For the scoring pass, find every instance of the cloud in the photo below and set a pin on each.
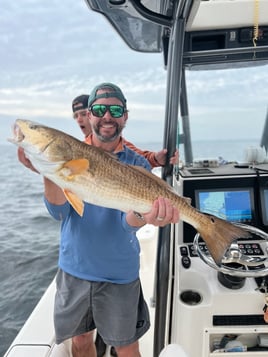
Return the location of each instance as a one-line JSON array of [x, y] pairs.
[[55, 50], [231, 84]]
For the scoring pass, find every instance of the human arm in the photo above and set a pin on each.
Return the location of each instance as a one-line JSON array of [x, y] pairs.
[[53, 193], [155, 159]]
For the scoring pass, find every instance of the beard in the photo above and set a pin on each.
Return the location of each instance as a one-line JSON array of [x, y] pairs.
[[108, 138]]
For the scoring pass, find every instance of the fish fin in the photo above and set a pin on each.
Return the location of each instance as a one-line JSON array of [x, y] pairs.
[[76, 166], [75, 202], [218, 235]]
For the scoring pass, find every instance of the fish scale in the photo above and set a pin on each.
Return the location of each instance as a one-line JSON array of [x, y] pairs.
[[89, 174]]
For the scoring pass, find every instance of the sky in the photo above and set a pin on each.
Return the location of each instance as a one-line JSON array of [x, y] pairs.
[[52, 51]]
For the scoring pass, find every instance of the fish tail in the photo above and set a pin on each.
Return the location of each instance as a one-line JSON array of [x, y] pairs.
[[218, 235]]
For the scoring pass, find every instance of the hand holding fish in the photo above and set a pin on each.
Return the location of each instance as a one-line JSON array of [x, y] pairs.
[[52, 192], [25, 161], [162, 213]]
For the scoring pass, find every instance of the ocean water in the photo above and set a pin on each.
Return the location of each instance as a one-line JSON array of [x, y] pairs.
[[229, 150], [29, 236], [29, 244]]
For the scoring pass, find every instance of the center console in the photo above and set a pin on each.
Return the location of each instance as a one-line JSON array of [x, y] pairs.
[[207, 305]]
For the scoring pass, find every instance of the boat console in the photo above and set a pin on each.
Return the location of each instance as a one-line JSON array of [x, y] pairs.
[[236, 194], [212, 302]]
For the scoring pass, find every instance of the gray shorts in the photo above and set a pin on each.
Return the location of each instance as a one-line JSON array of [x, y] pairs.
[[118, 311]]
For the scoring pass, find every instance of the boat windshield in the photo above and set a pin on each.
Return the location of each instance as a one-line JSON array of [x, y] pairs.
[[227, 110]]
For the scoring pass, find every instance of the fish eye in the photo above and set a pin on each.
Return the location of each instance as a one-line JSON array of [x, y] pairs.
[[33, 126]]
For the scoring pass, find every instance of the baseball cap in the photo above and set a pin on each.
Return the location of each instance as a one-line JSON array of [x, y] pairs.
[[113, 92], [80, 102]]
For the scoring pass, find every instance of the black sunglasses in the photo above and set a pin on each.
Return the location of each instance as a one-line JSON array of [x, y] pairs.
[[116, 111]]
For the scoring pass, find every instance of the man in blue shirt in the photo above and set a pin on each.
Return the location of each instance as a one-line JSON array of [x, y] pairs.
[[98, 283]]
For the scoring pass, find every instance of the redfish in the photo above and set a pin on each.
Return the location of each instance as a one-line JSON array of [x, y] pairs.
[[89, 174]]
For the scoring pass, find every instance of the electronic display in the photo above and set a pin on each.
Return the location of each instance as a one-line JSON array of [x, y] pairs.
[[234, 205]]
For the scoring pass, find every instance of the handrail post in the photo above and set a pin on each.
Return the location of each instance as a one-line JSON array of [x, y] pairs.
[[174, 75]]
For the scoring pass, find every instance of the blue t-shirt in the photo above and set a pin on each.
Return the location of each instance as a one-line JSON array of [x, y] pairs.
[[100, 245]]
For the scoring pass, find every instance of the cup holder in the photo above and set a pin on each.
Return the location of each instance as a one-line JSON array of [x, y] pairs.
[[190, 297]]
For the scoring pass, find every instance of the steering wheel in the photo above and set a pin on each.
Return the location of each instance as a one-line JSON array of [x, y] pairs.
[[243, 262]]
